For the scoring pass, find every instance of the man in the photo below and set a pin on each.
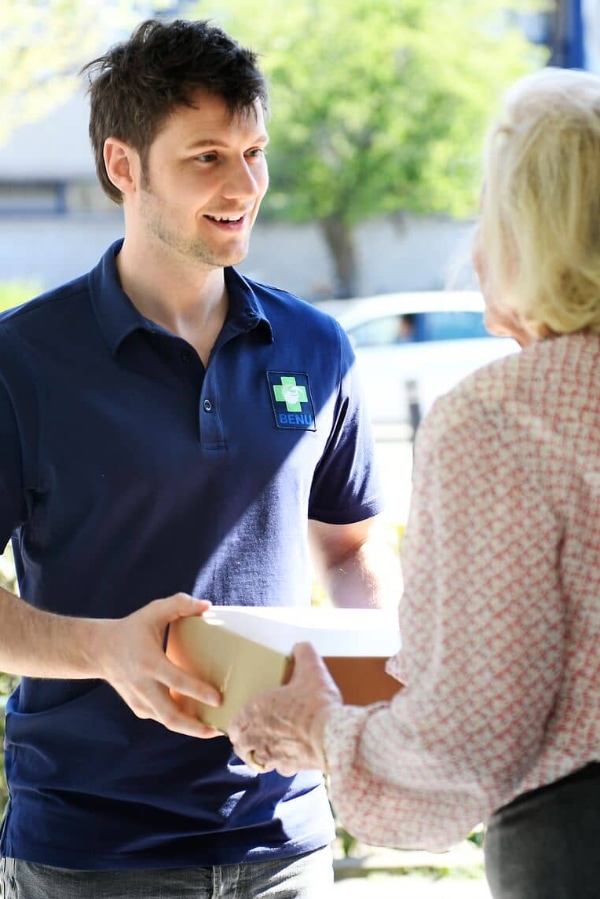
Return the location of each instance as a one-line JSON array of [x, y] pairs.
[[167, 425]]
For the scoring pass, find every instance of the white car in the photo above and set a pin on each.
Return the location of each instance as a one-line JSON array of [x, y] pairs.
[[413, 347]]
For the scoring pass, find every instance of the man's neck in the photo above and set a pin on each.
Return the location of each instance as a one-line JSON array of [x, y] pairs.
[[185, 300]]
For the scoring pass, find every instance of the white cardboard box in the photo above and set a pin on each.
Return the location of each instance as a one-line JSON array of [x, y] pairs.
[[245, 650]]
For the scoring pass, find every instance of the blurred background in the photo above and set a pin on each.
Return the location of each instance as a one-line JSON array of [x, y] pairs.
[[378, 113]]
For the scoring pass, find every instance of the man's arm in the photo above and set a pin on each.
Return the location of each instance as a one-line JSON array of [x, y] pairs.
[[127, 652], [355, 564]]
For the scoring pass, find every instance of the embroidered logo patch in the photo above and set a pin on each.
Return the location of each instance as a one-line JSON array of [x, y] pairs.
[[291, 400]]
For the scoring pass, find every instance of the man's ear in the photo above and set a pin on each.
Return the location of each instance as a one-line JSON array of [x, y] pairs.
[[122, 165]]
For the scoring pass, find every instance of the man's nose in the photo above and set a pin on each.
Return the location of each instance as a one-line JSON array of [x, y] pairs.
[[243, 180]]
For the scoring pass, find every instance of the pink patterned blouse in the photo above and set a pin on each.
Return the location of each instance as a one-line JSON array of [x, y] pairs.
[[500, 616]]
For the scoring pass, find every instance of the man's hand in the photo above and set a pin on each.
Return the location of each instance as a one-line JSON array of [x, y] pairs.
[[131, 656], [282, 729]]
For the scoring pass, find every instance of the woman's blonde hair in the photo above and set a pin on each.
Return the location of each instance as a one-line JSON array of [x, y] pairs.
[[540, 220]]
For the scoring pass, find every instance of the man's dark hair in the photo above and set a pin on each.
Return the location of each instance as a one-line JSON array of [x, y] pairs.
[[135, 86]]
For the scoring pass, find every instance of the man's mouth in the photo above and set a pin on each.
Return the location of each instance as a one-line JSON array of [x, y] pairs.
[[225, 219]]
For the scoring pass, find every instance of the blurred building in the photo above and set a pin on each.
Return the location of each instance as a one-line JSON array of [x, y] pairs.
[[572, 32]]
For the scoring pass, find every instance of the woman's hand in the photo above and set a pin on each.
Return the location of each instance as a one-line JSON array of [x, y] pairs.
[[282, 729]]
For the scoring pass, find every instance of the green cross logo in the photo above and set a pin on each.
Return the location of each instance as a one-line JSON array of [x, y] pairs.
[[290, 393]]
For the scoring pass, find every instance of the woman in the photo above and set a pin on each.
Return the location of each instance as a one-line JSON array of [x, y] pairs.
[[499, 717]]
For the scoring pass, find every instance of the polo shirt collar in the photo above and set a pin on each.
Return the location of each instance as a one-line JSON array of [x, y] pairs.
[[118, 318], [246, 312]]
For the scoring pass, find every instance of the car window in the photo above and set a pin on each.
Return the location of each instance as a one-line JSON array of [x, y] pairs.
[[418, 327], [451, 325], [384, 331]]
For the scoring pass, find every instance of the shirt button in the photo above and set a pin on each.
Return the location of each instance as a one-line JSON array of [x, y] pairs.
[[186, 356], [207, 405]]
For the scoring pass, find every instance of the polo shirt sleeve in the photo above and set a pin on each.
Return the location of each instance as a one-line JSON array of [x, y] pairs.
[[346, 486], [12, 493]]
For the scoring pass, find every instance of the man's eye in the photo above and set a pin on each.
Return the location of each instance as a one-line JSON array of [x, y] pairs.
[[256, 152], [207, 157]]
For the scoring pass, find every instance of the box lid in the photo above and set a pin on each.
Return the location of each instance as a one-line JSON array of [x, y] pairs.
[[332, 631]]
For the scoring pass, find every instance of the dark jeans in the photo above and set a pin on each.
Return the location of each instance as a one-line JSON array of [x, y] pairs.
[[546, 843], [308, 876]]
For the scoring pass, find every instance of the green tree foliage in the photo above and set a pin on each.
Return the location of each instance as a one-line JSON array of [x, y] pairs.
[[13, 293], [44, 43], [379, 106]]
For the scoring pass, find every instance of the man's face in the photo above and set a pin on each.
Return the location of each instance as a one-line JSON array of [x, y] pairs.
[[203, 182]]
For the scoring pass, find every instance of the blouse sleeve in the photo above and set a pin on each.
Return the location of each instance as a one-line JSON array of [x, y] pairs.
[[481, 622]]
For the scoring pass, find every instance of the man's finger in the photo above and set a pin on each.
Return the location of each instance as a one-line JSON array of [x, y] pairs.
[[189, 685]]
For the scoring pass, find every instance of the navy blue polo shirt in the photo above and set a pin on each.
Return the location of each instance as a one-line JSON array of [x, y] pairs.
[[129, 472]]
